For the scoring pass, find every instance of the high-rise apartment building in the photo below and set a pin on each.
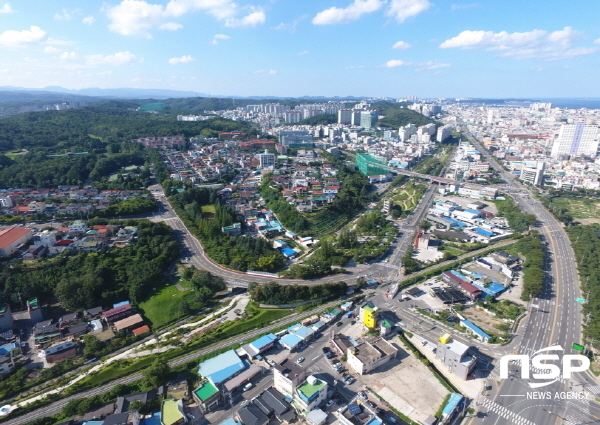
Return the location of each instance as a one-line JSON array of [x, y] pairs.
[[576, 139], [345, 116], [266, 159]]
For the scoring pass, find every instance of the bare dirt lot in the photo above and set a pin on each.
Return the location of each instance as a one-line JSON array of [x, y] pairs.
[[397, 382]]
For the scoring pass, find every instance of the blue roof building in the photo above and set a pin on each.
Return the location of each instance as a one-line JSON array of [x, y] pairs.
[[152, 420], [475, 330], [222, 367], [288, 252], [294, 327], [452, 406], [304, 333], [290, 341]]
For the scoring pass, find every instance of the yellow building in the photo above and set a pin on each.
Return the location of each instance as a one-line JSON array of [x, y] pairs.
[[368, 315]]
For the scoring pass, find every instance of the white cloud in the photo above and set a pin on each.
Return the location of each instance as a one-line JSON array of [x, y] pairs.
[[291, 27], [266, 71], [88, 20], [464, 6], [68, 55], [305, 52], [119, 58], [219, 37], [170, 26], [34, 35], [138, 17], [52, 50], [355, 67], [401, 10], [535, 44], [597, 41], [7, 8], [337, 15], [394, 63], [402, 45], [417, 65], [431, 65], [251, 20], [66, 14], [181, 59]]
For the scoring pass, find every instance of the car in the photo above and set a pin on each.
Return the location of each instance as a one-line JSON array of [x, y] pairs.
[[326, 350], [339, 324], [371, 404], [271, 362], [300, 360], [330, 403], [248, 386], [363, 395]]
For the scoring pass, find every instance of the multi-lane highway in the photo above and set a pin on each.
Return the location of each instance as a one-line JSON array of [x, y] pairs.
[[554, 319]]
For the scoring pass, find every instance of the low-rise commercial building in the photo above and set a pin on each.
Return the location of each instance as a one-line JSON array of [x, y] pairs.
[[369, 354]]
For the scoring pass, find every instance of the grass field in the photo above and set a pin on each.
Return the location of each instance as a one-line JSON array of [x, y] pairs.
[[208, 211], [165, 305], [261, 316], [579, 207]]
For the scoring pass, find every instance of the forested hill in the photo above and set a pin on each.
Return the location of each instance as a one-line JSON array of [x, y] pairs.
[[103, 132], [397, 115], [113, 123]]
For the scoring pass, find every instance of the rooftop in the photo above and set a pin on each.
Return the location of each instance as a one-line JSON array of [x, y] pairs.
[[308, 390], [205, 391], [170, 412], [221, 367], [11, 235]]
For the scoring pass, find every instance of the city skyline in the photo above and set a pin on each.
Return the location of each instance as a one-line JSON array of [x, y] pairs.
[[392, 48]]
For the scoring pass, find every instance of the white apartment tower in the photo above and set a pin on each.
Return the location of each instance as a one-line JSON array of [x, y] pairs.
[[266, 159], [576, 139], [345, 116]]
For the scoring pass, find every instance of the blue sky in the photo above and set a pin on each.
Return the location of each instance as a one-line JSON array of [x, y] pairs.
[[396, 48]]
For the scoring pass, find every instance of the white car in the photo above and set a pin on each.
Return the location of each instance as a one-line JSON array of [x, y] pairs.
[[300, 360]]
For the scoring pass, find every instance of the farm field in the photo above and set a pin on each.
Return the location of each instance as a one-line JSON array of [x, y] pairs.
[[580, 208]]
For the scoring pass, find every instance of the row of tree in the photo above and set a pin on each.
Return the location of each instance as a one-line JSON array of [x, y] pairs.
[[517, 219], [585, 241], [274, 293], [532, 249]]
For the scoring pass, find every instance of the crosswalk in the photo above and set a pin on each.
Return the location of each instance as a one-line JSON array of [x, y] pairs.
[[578, 412], [595, 389], [505, 413]]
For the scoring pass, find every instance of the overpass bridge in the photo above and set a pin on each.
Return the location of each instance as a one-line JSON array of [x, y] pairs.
[[369, 162]]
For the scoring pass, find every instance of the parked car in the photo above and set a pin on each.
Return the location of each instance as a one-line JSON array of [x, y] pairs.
[[363, 395], [371, 404], [300, 360], [330, 403], [248, 386]]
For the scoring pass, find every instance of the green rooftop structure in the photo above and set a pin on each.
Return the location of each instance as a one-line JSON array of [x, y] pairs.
[[206, 395], [308, 390], [172, 412], [371, 165]]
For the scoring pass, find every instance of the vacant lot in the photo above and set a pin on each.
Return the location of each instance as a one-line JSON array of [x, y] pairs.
[[396, 382], [579, 207]]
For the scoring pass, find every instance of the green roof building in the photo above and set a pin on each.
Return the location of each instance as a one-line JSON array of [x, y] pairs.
[[206, 396], [311, 393], [172, 412]]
